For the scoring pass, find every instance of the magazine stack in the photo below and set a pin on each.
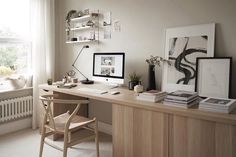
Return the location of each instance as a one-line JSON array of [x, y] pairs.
[[180, 98], [152, 96], [217, 105]]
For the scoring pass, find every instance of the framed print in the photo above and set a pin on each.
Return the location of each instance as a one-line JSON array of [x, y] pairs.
[[183, 46], [213, 77]]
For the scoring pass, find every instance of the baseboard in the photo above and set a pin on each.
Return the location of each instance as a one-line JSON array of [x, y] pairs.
[[105, 128], [14, 126]]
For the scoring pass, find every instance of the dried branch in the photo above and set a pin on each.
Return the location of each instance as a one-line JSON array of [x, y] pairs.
[[156, 60]]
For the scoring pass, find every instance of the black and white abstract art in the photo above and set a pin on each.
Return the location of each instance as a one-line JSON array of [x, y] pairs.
[[183, 52], [183, 46]]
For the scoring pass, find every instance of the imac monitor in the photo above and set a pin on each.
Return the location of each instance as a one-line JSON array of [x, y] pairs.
[[109, 68]]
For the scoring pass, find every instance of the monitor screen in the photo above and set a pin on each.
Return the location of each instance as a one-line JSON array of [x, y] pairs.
[[108, 67]]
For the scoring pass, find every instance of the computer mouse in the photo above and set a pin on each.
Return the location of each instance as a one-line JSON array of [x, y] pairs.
[[115, 92]]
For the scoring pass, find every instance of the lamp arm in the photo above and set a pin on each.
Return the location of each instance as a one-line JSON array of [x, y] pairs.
[[77, 57], [75, 62], [80, 72]]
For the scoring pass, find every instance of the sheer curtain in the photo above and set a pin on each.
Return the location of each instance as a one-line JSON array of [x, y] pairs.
[[43, 47]]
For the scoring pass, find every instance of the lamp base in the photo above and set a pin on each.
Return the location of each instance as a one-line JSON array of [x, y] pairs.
[[87, 81]]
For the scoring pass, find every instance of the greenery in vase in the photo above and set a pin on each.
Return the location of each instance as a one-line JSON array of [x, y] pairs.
[[156, 60], [134, 77]]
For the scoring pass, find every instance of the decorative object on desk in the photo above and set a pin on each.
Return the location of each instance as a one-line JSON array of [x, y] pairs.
[[134, 80], [138, 89], [217, 105], [183, 46], [64, 79], [152, 62], [71, 73], [213, 77], [49, 81], [86, 81], [152, 96], [180, 98], [74, 80]]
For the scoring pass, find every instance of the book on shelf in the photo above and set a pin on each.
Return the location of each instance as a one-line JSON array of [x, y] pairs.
[[218, 102], [182, 95], [152, 96], [150, 99], [182, 105], [153, 92], [217, 105], [205, 108], [181, 101]]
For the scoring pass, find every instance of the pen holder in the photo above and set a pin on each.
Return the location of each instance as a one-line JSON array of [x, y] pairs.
[[49, 81]]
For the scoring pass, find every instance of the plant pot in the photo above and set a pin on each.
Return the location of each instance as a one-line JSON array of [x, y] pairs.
[[151, 78], [133, 83]]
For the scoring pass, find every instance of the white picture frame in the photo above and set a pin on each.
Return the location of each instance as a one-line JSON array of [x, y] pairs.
[[189, 33], [213, 77]]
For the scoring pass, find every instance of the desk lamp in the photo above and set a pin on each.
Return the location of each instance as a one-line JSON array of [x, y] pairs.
[[86, 81]]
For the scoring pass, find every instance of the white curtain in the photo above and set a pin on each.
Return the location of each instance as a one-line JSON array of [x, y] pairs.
[[43, 47]]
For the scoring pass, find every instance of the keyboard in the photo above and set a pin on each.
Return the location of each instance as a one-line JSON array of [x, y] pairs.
[[92, 90]]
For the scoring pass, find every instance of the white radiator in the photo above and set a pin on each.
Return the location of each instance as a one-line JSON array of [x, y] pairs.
[[16, 108]]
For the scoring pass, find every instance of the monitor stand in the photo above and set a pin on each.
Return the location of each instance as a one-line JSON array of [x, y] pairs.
[[87, 81], [112, 85]]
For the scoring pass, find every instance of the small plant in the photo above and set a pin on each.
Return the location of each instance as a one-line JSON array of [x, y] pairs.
[[134, 80], [134, 77], [156, 60], [70, 15]]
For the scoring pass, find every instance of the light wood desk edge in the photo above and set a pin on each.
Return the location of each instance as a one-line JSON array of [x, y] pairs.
[[127, 98]]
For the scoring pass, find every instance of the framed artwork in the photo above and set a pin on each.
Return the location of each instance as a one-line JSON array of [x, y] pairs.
[[213, 77], [183, 46]]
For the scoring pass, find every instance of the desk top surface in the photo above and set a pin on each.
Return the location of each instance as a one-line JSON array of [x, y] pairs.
[[128, 98]]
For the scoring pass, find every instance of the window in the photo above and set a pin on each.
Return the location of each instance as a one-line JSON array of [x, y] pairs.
[[15, 45]]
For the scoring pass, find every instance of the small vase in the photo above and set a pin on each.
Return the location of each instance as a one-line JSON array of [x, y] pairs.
[[151, 78]]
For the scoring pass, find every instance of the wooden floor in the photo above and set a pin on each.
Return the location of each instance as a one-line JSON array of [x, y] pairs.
[[25, 143]]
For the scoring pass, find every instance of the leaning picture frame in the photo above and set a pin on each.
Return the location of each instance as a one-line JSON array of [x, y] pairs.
[[183, 46], [213, 77]]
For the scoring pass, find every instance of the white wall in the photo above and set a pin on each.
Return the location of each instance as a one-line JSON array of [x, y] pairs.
[[143, 24]]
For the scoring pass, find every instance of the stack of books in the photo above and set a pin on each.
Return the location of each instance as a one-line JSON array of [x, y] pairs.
[[152, 96], [180, 98], [217, 105]]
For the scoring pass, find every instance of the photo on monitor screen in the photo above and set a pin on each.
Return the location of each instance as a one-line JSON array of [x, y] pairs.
[[108, 65]]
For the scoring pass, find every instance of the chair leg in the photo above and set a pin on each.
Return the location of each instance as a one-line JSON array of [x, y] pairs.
[[65, 144], [97, 138], [42, 141]]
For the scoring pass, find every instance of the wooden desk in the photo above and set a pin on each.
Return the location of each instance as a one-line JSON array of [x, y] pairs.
[[144, 129]]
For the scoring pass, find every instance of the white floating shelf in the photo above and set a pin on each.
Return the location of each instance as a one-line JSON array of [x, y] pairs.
[[79, 28], [81, 41], [84, 17]]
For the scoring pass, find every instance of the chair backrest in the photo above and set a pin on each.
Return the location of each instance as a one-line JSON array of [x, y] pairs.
[[48, 100]]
